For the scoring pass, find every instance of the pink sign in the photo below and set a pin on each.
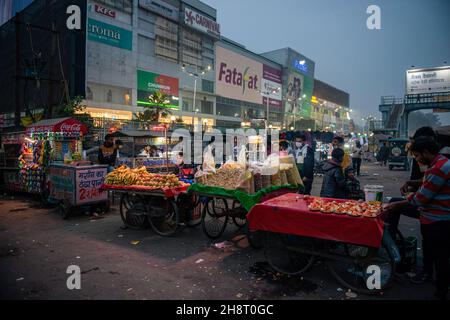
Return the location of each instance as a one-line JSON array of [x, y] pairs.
[[88, 183]]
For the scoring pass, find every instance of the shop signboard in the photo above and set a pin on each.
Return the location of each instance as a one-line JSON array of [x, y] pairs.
[[149, 83], [88, 182], [272, 83], [431, 80], [241, 78], [201, 23], [110, 35]]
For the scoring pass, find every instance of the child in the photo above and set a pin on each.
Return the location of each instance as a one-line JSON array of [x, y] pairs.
[[352, 186]]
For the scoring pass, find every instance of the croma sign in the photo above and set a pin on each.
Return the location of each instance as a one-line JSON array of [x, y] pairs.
[[109, 34], [105, 11]]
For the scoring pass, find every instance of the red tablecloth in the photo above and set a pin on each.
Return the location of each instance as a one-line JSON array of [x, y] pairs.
[[168, 193], [289, 214]]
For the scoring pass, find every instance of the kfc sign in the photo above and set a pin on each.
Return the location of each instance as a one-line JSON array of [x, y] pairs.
[[105, 11], [201, 23]]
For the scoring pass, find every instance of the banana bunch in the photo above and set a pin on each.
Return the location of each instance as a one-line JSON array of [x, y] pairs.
[[122, 176]]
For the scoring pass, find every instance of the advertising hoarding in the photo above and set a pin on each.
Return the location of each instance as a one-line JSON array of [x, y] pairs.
[[298, 85], [431, 80], [149, 83], [201, 23], [110, 35], [241, 78]]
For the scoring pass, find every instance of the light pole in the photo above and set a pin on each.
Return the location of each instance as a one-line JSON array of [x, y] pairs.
[[195, 75], [267, 94]]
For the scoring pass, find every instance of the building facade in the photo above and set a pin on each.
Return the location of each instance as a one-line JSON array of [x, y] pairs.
[[132, 49]]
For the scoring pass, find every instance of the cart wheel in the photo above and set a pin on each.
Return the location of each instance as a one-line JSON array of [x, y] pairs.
[[134, 216], [214, 217], [164, 216], [238, 221], [64, 209], [351, 269], [280, 253], [256, 239]]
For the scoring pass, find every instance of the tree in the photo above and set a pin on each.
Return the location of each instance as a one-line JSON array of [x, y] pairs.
[[158, 108], [420, 119]]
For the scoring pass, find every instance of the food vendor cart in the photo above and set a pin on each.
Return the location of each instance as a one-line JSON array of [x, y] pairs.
[[349, 243], [48, 141], [167, 211], [158, 200], [77, 186], [11, 149]]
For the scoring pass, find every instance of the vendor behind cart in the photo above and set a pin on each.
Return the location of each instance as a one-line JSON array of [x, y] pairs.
[[107, 153]]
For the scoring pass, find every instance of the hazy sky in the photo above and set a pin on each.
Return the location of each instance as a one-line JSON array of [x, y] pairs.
[[333, 33]]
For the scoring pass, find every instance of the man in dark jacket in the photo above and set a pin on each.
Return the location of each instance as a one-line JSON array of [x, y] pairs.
[[333, 185]]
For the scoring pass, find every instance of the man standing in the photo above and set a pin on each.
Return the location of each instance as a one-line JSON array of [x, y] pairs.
[[304, 157], [384, 154], [107, 153], [357, 157], [338, 142], [432, 201]]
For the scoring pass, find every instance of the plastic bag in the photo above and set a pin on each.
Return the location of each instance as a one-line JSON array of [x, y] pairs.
[[209, 165], [242, 157]]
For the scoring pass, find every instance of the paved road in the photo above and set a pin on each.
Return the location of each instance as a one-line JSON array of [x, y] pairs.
[[37, 246]]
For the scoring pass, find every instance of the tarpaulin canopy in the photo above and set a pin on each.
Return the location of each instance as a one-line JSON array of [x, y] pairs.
[[289, 214], [69, 125]]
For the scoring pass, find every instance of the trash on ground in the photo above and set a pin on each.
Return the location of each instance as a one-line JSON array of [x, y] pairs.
[[199, 261]]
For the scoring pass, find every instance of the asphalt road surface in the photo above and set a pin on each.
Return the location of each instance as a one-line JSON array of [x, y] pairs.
[[37, 246]]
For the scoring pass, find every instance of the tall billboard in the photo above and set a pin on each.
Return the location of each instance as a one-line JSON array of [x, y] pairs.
[[298, 93], [110, 35], [148, 83], [241, 78], [430, 80]]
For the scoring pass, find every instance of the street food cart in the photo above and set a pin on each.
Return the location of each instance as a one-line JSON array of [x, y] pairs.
[[11, 149], [348, 235], [77, 186], [158, 200]]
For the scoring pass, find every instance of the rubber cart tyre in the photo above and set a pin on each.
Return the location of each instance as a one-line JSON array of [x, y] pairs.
[[281, 258], [164, 216], [214, 217], [238, 221], [134, 219], [354, 273]]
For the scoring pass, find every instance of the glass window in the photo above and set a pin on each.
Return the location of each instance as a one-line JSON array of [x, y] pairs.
[[228, 110], [192, 49], [207, 107], [166, 43], [145, 45], [187, 105], [207, 86]]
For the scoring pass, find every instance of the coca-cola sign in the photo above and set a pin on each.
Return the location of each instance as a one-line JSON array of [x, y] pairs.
[[74, 127], [105, 11]]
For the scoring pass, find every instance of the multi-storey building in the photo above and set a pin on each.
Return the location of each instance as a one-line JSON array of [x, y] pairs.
[[126, 50]]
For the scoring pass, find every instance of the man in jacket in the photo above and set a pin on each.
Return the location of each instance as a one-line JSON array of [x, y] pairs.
[[333, 185], [304, 157]]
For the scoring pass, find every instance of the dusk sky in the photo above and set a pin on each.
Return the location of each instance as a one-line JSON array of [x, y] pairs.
[[365, 63]]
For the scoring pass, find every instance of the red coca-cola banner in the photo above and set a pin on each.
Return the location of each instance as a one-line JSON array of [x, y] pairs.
[[68, 125]]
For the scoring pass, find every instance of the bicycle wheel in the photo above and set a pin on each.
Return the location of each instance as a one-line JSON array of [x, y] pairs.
[[239, 218], [279, 253], [214, 217], [163, 216], [363, 270], [133, 211]]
